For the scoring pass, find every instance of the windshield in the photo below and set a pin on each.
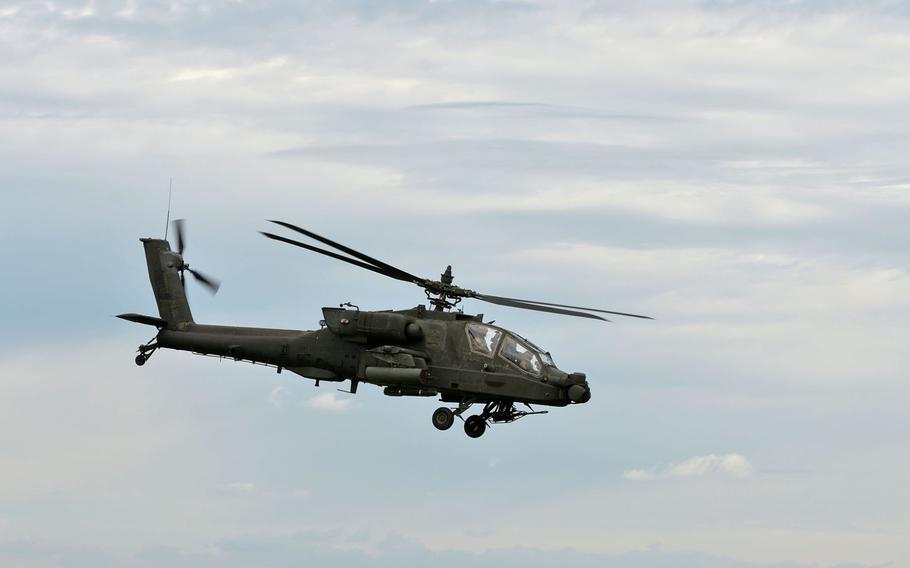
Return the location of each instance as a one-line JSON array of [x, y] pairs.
[[547, 360], [520, 354], [544, 355]]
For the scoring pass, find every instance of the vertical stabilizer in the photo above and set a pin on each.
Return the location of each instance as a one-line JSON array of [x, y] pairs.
[[164, 264]]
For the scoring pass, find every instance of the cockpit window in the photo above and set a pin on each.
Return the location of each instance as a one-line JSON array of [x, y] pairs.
[[482, 338], [520, 355]]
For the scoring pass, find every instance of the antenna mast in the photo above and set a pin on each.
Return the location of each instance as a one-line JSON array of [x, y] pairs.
[[167, 222]]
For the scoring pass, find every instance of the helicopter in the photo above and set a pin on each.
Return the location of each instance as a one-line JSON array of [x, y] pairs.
[[426, 351]]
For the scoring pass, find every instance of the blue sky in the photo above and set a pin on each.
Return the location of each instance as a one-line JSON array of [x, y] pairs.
[[735, 169]]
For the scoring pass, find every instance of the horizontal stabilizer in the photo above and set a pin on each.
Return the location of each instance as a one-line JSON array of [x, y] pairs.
[[144, 320]]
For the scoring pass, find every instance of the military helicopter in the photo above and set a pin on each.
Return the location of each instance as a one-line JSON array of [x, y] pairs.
[[426, 351]]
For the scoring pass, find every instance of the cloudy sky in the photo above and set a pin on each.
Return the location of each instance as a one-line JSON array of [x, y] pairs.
[[736, 169]]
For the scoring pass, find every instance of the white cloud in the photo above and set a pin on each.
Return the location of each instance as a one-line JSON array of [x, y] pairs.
[[76, 14], [328, 401], [734, 465], [57, 435], [240, 488], [128, 11], [747, 282], [660, 198], [224, 73], [204, 74], [277, 397]]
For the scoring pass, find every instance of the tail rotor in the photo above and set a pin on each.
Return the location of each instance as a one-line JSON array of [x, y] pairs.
[[209, 283]]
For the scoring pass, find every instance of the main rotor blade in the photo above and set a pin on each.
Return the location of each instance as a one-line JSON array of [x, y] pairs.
[[336, 256], [178, 228], [387, 268], [211, 283], [572, 307], [528, 306]]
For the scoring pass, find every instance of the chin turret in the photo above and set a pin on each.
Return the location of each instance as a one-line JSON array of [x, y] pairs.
[[578, 390]]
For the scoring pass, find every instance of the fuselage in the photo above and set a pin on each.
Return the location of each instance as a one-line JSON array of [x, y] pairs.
[[414, 352]]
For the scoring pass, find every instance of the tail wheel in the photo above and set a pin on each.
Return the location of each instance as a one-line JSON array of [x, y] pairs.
[[141, 359], [443, 418], [475, 426]]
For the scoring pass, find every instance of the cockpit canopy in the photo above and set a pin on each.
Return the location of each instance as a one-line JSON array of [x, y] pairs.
[[489, 341]]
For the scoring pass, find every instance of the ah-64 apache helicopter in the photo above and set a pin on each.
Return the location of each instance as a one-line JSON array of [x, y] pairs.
[[415, 352]]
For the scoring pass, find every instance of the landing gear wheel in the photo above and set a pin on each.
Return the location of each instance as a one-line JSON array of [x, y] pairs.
[[443, 418], [141, 359], [475, 426]]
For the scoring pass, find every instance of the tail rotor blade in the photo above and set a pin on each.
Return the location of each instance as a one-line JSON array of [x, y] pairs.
[[178, 229], [210, 283]]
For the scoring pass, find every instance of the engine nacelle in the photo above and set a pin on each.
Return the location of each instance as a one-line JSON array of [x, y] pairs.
[[364, 327]]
